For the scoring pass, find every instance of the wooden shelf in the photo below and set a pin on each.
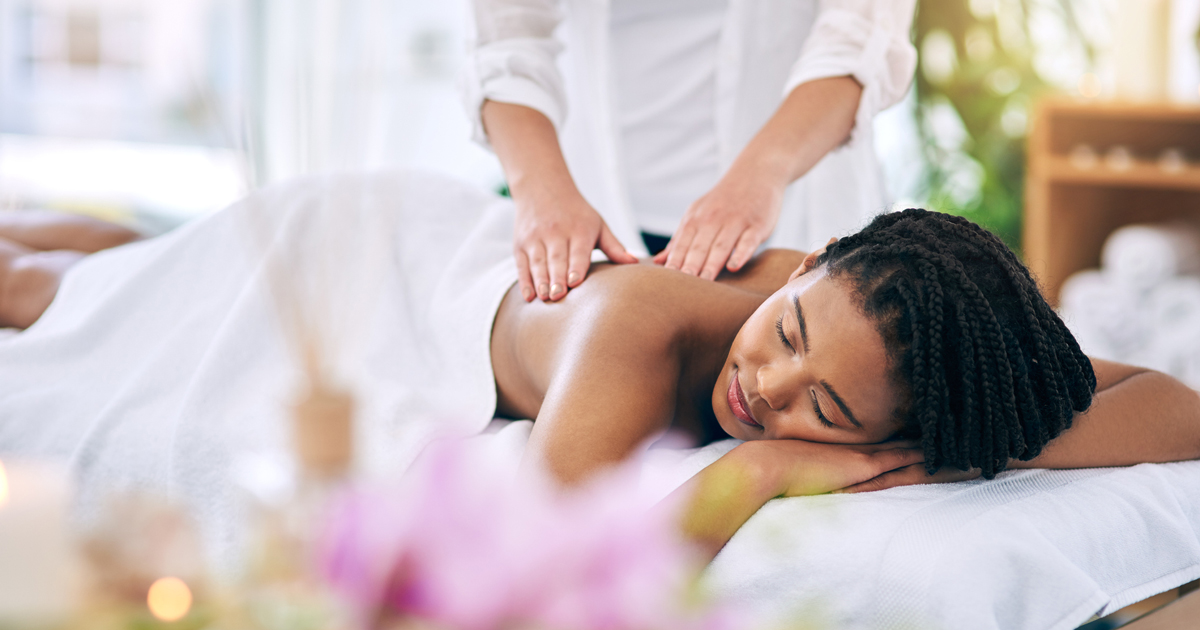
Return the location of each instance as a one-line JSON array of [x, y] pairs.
[[1141, 174], [1070, 211]]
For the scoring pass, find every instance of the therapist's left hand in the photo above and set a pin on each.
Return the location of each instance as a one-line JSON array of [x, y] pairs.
[[722, 229]]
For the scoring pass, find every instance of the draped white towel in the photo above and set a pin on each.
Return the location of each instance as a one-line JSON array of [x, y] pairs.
[[163, 363]]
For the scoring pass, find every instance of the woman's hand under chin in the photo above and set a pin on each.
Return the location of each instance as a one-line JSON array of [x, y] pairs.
[[799, 468], [727, 493], [911, 475]]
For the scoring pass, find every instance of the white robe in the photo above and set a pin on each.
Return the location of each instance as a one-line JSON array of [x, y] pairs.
[[766, 49]]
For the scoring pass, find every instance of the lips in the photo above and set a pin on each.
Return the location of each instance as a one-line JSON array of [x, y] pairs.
[[737, 402]]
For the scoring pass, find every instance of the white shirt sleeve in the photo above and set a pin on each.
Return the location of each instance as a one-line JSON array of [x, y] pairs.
[[865, 39], [512, 56]]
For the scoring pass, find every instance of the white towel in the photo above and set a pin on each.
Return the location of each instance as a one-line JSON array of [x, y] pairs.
[[1174, 308], [161, 363], [1108, 318], [1142, 256], [1043, 549]]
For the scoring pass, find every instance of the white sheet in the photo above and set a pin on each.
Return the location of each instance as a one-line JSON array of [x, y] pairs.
[[160, 363], [1030, 549]]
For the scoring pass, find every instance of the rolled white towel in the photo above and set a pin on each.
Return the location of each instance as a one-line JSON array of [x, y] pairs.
[[1109, 319], [1175, 311], [1144, 255]]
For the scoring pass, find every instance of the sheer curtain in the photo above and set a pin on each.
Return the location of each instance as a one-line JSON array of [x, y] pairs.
[[357, 84]]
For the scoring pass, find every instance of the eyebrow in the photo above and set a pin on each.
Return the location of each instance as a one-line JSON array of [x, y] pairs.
[[828, 388], [841, 404], [800, 319]]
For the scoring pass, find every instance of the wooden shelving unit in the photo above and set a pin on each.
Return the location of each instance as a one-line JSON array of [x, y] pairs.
[[1072, 205]]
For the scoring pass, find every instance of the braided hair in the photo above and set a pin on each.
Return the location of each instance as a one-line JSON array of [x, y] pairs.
[[987, 370]]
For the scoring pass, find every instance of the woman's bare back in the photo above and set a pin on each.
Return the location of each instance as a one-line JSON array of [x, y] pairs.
[[631, 352]]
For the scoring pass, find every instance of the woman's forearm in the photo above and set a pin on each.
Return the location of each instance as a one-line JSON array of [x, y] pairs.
[[527, 145], [723, 496], [1141, 416], [815, 118]]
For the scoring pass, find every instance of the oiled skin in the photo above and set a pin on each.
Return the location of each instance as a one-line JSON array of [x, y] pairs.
[[638, 348], [627, 353]]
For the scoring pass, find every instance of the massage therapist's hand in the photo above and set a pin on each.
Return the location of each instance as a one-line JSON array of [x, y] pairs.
[[553, 241], [556, 229], [722, 229]]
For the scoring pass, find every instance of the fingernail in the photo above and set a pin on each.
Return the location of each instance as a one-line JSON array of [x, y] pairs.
[[556, 289], [527, 293], [542, 290], [572, 278], [842, 491]]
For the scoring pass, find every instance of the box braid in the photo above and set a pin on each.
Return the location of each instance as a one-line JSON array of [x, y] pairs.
[[988, 371]]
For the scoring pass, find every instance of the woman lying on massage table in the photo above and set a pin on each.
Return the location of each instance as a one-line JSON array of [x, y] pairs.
[[36, 249], [922, 327], [918, 345]]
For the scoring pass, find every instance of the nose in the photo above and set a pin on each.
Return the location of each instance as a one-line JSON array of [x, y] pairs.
[[776, 385]]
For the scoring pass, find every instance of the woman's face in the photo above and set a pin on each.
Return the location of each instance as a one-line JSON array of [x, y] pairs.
[[808, 365]]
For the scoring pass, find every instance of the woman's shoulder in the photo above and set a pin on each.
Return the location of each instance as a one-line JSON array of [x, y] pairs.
[[636, 289], [647, 301], [766, 272]]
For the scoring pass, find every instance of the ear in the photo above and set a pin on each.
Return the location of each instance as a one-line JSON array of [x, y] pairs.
[[810, 261]]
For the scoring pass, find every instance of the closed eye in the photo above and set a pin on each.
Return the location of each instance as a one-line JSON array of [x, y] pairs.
[[817, 408], [782, 335]]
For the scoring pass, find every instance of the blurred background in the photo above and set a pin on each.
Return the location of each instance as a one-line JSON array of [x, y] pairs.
[[153, 112]]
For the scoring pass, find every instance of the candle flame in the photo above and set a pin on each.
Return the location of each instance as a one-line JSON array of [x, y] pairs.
[[3, 485], [169, 599]]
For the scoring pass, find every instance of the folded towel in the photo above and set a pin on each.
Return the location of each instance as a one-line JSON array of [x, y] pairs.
[[1174, 311], [1174, 307], [1142, 256]]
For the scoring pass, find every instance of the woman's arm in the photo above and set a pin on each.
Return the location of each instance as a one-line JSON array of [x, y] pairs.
[[729, 222], [516, 100], [1137, 416], [556, 229], [857, 60], [46, 230], [723, 496]]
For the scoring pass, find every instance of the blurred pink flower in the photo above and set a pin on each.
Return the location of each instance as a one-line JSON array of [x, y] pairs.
[[466, 548]]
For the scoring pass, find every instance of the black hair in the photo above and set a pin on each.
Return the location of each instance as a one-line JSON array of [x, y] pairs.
[[987, 369]]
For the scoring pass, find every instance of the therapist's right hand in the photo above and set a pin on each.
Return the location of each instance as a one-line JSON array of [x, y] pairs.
[[553, 241]]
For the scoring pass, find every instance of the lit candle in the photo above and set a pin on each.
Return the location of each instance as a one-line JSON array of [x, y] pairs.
[[169, 599], [39, 575]]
